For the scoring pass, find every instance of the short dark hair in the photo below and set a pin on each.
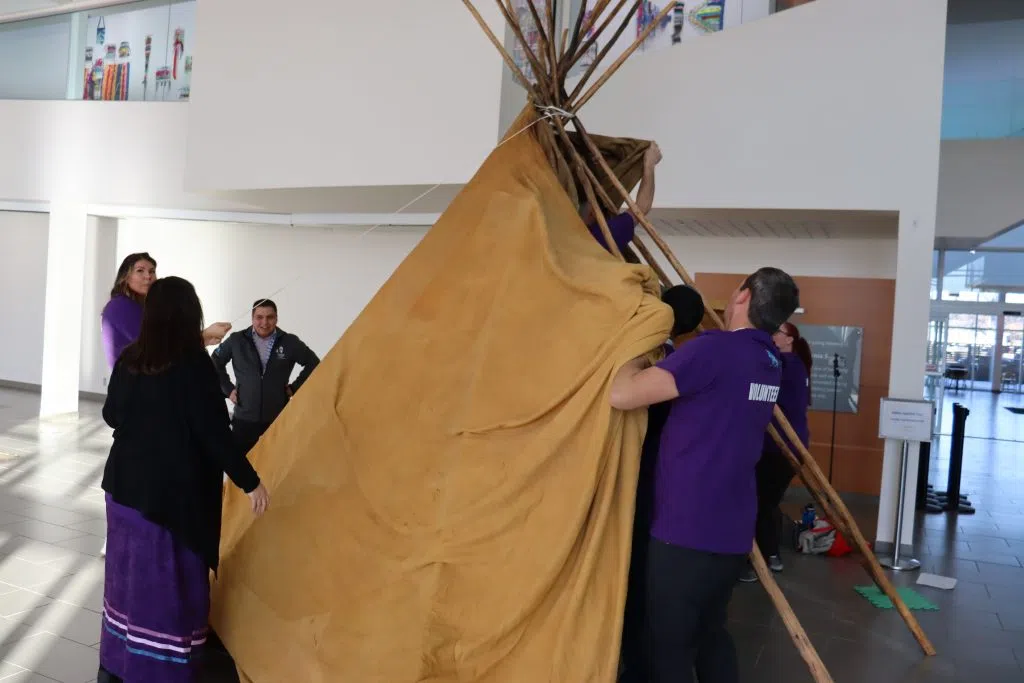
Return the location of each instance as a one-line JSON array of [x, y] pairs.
[[120, 287], [264, 303], [172, 327], [774, 297], [687, 308]]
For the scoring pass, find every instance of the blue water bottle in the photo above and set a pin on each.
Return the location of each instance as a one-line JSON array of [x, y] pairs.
[[807, 521]]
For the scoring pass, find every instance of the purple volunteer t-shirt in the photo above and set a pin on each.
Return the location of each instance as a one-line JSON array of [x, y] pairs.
[[121, 322], [794, 397], [622, 227], [705, 497]]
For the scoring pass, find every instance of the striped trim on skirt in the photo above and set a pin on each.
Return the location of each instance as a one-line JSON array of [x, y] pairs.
[[156, 602]]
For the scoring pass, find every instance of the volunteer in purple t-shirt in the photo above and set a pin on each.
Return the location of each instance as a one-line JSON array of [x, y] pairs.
[[623, 225], [687, 312], [774, 471], [723, 386]]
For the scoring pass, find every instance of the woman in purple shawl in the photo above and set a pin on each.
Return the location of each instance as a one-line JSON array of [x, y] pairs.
[[121, 319]]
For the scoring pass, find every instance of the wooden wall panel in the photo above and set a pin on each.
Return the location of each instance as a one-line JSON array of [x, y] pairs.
[[859, 302]]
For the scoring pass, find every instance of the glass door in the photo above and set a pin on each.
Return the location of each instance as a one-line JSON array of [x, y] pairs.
[[970, 349], [1012, 351]]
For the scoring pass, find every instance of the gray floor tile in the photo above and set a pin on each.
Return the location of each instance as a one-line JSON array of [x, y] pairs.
[[21, 600], [53, 657], [43, 531], [12, 673], [96, 527], [61, 619]]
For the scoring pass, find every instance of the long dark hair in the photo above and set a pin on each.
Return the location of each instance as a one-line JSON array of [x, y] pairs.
[[121, 287], [800, 346], [172, 327]]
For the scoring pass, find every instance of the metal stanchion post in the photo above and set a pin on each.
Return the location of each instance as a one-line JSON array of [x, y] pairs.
[[895, 561]]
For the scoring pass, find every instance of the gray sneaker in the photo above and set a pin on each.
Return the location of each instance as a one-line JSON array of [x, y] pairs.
[[748, 576], [775, 563]]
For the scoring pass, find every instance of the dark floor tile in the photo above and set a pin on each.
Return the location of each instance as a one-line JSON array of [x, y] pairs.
[[1001, 574], [947, 565], [1013, 621], [985, 544], [1007, 559]]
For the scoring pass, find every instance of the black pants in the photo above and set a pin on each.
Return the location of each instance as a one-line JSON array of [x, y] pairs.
[[105, 676], [688, 594], [773, 476], [633, 667], [246, 434]]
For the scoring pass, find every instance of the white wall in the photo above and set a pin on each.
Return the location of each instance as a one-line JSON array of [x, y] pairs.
[[328, 274], [980, 183], [23, 238], [788, 112], [866, 258], [35, 55], [357, 93], [101, 264], [320, 278], [129, 153]]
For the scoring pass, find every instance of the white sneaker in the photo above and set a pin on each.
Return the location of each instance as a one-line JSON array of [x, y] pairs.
[[775, 563]]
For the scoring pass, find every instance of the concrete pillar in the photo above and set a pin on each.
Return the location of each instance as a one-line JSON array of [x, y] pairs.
[[909, 349], [62, 318]]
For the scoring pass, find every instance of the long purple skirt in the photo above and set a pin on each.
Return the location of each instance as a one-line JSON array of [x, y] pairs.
[[156, 602]]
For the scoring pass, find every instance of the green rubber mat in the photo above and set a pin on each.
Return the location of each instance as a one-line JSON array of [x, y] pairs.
[[912, 598]]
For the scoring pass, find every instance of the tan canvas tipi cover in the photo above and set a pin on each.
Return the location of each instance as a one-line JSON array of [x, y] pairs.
[[452, 493]]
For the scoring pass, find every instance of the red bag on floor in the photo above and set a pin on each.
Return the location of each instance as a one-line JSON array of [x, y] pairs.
[[840, 548]]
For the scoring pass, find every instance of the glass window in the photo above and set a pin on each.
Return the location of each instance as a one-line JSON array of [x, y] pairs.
[[139, 52], [1015, 297], [965, 278], [136, 51], [36, 55], [968, 320]]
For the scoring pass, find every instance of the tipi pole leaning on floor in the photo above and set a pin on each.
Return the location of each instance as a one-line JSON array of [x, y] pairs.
[[550, 64]]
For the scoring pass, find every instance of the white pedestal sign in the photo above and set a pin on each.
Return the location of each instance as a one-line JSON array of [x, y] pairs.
[[906, 420], [909, 421]]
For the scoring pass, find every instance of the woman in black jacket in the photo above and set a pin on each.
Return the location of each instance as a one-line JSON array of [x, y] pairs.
[[163, 479]]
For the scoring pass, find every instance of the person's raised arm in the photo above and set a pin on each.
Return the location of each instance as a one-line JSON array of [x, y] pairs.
[[645, 194], [687, 372], [637, 385], [213, 334]]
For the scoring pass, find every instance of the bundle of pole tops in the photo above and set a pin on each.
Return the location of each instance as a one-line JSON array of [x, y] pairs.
[[551, 63]]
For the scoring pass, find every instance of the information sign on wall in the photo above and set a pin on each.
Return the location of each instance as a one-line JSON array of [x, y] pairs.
[[836, 350]]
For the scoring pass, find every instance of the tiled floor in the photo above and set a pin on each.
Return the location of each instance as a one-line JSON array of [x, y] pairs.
[[51, 531]]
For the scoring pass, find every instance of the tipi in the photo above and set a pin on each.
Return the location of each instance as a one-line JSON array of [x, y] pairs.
[[453, 496]]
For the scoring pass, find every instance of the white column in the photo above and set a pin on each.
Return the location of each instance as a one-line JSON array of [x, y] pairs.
[[909, 348], [62, 326], [997, 352], [76, 55]]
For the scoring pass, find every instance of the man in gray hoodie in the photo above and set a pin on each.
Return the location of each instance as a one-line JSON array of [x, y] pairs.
[[263, 358]]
